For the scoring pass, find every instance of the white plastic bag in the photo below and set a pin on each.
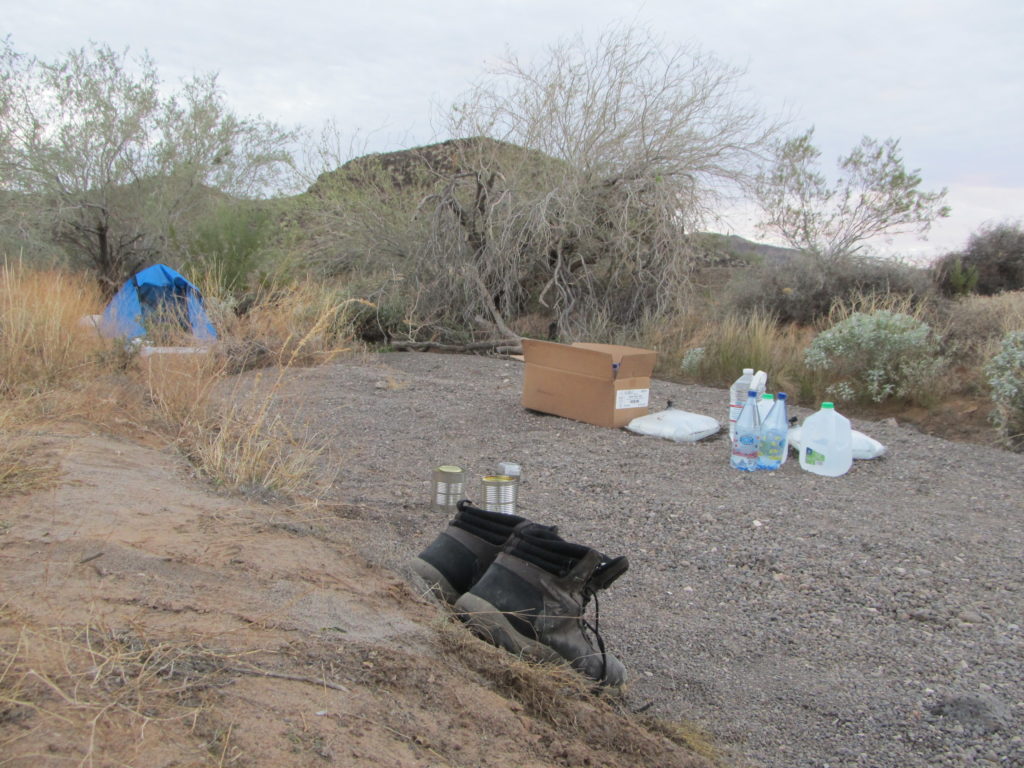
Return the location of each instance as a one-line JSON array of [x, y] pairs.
[[674, 424], [864, 447]]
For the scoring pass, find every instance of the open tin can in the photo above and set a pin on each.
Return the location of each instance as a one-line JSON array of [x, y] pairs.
[[501, 493], [447, 487]]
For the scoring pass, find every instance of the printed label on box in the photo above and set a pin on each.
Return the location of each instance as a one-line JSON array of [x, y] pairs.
[[632, 398]]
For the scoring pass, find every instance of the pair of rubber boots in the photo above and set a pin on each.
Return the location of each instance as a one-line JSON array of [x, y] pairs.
[[519, 585]]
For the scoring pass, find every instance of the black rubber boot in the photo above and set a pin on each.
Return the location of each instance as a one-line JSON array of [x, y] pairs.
[[532, 599], [461, 554]]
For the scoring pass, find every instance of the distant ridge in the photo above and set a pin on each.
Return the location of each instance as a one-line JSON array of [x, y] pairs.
[[736, 249], [421, 168]]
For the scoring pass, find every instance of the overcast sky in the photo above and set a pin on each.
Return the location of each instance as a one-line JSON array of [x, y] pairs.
[[946, 77]]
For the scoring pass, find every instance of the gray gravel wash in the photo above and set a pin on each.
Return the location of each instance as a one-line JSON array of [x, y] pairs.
[[876, 619]]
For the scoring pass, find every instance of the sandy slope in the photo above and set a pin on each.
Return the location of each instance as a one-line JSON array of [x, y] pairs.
[[146, 621]]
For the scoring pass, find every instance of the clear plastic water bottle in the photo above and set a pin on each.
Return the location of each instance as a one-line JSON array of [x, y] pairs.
[[826, 442], [737, 397], [774, 441], [747, 433]]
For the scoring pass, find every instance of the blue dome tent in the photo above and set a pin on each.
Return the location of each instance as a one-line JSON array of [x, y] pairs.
[[156, 294]]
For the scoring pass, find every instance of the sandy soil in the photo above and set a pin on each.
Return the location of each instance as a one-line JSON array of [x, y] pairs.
[[146, 621], [869, 620]]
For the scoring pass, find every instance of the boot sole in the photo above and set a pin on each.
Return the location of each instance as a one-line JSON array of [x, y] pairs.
[[492, 625], [437, 583]]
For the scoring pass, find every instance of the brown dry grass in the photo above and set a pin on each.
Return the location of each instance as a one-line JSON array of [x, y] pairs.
[[42, 344], [114, 697], [552, 694], [975, 325], [732, 343], [54, 366]]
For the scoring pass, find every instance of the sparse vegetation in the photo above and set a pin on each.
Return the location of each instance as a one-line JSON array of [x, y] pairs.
[[101, 688], [1006, 378], [804, 288]]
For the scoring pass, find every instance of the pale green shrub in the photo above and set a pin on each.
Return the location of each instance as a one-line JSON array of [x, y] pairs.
[[878, 356], [1005, 372]]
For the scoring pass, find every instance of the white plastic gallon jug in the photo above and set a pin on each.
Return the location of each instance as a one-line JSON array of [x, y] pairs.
[[826, 445]]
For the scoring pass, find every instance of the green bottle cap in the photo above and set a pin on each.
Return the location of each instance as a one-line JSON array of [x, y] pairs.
[[828, 405]]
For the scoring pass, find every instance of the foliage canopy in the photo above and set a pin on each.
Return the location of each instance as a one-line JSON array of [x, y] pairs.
[[96, 160], [875, 194]]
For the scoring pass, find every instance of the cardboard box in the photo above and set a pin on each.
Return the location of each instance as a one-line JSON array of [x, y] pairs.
[[602, 384]]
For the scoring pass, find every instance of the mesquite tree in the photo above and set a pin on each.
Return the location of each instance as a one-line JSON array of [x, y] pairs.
[[874, 195], [577, 180], [97, 160]]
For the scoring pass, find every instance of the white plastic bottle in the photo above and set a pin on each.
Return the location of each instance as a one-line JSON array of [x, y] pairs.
[[774, 442], [746, 434], [764, 405], [826, 442], [737, 398]]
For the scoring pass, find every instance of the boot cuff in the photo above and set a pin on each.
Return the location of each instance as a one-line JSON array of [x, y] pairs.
[[493, 527], [543, 547]]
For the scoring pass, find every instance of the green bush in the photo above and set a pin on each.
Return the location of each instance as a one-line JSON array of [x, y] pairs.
[[992, 262], [1005, 372], [228, 245], [803, 289], [876, 357]]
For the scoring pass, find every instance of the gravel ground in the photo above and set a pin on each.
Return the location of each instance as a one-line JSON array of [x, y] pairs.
[[869, 620]]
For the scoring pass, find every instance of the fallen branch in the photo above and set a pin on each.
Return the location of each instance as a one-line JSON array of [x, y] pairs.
[[502, 346]]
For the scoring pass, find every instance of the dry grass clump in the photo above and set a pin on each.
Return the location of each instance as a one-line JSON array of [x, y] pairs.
[[114, 698], [869, 303], [714, 351], [45, 350], [304, 323], [42, 343], [228, 428], [975, 325], [561, 698]]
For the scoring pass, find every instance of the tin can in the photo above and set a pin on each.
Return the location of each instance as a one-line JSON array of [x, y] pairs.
[[500, 493], [447, 487]]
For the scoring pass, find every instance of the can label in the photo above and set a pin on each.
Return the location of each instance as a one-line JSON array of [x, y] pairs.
[[632, 398]]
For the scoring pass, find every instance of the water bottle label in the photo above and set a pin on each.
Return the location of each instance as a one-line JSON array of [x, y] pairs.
[[744, 448], [632, 398], [771, 448], [813, 457]]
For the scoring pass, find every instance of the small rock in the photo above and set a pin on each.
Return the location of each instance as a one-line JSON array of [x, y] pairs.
[[982, 712]]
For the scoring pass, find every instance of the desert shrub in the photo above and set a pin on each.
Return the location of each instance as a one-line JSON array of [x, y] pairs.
[[228, 244], [804, 289], [992, 262], [876, 357], [1005, 373]]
